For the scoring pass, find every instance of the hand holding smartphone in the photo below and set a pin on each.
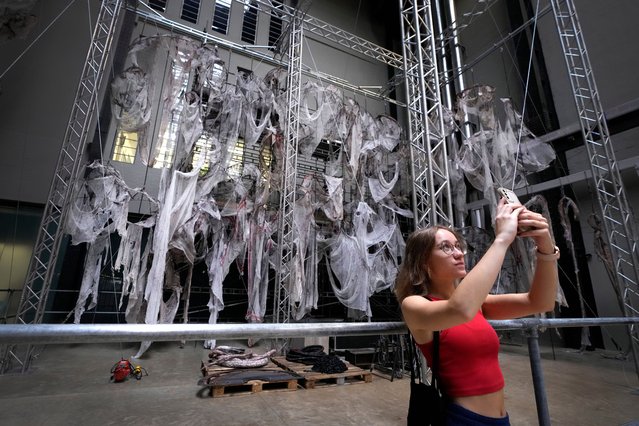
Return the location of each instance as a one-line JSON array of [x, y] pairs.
[[511, 198]]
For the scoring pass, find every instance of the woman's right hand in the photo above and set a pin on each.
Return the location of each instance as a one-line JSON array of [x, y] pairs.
[[507, 221]]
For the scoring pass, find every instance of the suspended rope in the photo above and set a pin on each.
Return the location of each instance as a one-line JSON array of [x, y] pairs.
[[523, 109]]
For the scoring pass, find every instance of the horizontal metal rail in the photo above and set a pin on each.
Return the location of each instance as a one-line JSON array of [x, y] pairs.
[[96, 333], [44, 334]]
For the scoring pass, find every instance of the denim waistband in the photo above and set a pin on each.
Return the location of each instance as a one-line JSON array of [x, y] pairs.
[[456, 415]]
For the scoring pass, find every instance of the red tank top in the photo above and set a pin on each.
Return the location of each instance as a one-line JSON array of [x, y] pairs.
[[468, 358]]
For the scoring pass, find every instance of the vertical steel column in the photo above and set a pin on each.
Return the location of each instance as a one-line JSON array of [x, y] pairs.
[[538, 377], [45, 253], [611, 196], [432, 203], [286, 231]]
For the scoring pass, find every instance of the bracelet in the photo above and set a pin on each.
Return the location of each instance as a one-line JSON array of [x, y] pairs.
[[548, 256]]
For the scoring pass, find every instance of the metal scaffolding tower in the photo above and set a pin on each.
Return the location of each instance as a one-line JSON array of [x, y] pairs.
[[286, 236], [432, 202], [298, 25], [610, 193], [41, 268]]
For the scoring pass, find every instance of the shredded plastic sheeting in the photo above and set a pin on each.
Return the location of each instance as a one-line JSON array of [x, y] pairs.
[[258, 101], [130, 99], [565, 206], [360, 261], [320, 122], [136, 92], [91, 277], [100, 205], [496, 154]]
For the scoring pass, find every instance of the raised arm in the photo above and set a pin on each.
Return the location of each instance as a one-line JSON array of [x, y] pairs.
[[461, 303], [543, 289]]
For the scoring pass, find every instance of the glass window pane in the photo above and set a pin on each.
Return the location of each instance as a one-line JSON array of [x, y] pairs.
[[190, 10], [159, 5], [275, 26], [221, 15], [125, 147], [249, 26]]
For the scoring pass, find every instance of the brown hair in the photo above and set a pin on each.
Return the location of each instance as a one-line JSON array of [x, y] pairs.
[[413, 276]]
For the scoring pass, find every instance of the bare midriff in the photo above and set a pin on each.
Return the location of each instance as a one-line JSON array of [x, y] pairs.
[[489, 405]]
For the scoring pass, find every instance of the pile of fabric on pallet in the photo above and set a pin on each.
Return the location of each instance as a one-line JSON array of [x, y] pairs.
[[231, 366], [314, 355]]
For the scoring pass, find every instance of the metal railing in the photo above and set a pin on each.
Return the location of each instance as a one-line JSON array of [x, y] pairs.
[[44, 334]]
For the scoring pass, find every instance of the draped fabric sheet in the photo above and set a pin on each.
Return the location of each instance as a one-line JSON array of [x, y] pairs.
[[497, 154]]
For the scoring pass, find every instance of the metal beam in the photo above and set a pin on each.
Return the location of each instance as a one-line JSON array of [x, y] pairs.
[[99, 333]]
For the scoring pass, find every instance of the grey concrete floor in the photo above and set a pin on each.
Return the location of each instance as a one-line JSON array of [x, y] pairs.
[[70, 385]]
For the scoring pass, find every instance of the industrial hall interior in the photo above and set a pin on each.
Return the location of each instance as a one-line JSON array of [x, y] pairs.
[[205, 203]]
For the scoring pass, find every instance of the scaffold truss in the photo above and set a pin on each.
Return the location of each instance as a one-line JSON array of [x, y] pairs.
[[610, 192], [432, 203], [36, 288], [282, 302]]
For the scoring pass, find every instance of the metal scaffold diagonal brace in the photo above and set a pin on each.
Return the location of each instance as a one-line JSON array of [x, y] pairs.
[[45, 253], [613, 204]]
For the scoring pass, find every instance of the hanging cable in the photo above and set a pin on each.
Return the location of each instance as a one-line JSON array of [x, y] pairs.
[[523, 111], [37, 38]]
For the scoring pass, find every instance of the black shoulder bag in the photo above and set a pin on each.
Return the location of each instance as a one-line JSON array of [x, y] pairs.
[[426, 405]]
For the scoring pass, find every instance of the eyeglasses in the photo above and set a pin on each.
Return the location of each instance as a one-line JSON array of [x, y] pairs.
[[449, 248]]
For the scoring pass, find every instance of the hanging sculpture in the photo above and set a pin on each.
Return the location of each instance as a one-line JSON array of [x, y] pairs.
[[497, 155], [214, 210]]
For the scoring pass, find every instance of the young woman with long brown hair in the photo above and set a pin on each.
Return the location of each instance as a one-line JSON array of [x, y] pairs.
[[436, 293]]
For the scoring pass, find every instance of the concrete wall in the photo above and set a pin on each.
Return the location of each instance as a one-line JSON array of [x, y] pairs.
[[38, 87]]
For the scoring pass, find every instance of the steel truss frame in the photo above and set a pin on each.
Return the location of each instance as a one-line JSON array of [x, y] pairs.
[[286, 231], [611, 195], [45, 254], [337, 35], [432, 202]]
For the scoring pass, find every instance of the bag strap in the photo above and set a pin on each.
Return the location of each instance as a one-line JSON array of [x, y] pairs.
[[414, 361], [415, 368], [435, 367]]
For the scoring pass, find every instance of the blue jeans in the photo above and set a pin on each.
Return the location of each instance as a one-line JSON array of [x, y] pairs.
[[456, 415]]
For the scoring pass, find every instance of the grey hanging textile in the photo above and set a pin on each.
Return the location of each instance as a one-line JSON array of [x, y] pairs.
[[358, 260], [565, 204], [100, 205], [257, 105], [177, 190], [496, 154], [136, 92]]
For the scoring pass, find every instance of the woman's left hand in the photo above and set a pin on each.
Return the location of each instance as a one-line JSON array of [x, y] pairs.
[[535, 226]]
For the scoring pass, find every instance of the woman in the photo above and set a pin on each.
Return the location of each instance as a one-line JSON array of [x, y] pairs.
[[433, 298]]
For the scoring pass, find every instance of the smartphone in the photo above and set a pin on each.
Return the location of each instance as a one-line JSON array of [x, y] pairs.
[[511, 198], [509, 195]]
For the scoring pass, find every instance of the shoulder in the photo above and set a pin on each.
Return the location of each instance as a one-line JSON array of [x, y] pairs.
[[414, 300], [413, 304]]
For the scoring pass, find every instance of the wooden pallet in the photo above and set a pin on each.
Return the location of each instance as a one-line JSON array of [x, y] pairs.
[[225, 381], [312, 379]]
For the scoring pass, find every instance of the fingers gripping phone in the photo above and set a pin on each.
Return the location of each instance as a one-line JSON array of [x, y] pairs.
[[511, 198], [509, 195]]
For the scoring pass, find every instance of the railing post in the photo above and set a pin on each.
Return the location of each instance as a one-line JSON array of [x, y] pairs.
[[538, 376]]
